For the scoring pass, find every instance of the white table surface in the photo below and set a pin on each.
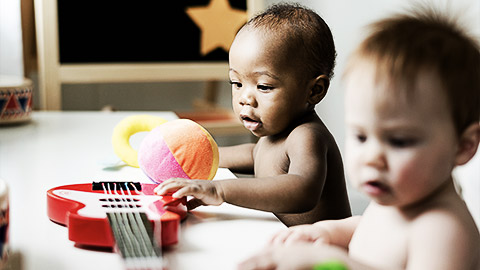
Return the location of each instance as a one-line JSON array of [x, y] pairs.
[[58, 148]]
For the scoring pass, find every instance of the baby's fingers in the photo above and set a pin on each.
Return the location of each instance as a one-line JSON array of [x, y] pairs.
[[320, 242], [280, 237], [297, 236], [293, 235], [183, 191], [170, 186]]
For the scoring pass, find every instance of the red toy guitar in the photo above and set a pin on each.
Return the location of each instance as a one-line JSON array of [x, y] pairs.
[[125, 215]]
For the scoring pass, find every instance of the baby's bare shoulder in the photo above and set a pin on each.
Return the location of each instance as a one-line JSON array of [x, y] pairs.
[[448, 233], [454, 220], [312, 144], [314, 131]]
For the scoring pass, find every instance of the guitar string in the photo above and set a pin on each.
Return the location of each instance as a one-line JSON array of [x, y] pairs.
[[138, 226], [150, 260], [127, 222], [118, 221], [157, 229], [114, 222], [108, 204], [147, 242], [132, 222]]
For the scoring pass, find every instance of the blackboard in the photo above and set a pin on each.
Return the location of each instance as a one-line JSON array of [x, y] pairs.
[[104, 31]]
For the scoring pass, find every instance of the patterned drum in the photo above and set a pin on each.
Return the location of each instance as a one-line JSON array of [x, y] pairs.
[[15, 99]]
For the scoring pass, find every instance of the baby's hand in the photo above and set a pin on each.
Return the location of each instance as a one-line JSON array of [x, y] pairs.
[[204, 192], [298, 256], [302, 233]]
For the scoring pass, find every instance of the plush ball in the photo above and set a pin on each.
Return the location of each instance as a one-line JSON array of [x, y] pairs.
[[178, 148]]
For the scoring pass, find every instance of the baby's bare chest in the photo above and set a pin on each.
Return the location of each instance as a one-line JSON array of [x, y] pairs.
[[270, 160], [380, 242]]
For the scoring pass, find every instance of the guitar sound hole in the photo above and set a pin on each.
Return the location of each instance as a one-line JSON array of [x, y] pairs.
[[119, 200], [121, 206]]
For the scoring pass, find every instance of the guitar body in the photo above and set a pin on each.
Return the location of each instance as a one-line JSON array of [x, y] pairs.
[[84, 210]]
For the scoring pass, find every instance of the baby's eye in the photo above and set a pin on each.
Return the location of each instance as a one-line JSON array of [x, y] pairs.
[[236, 84], [361, 138], [263, 87], [402, 142]]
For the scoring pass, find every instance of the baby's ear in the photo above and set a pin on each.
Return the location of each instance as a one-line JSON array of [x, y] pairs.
[[468, 143], [318, 89]]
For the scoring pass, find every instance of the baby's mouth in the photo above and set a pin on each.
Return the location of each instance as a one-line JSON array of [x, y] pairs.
[[250, 123], [375, 188]]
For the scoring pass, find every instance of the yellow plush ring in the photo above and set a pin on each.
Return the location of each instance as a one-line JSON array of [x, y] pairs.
[[125, 129]]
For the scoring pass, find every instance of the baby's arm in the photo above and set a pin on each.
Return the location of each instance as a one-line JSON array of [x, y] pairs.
[[256, 193], [238, 158], [290, 173], [302, 256], [279, 192], [435, 241], [331, 232]]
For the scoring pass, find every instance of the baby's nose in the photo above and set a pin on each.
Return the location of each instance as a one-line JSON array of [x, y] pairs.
[[375, 155], [248, 98]]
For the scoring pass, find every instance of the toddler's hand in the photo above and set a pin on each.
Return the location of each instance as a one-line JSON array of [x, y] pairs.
[[204, 192], [302, 233], [298, 256]]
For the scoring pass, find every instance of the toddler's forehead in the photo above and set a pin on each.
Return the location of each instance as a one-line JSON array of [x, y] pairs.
[[275, 38], [389, 93]]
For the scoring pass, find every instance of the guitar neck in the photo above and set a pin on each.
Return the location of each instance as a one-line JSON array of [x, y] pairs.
[[135, 241]]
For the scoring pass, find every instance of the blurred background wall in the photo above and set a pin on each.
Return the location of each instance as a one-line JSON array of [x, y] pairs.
[[11, 58]]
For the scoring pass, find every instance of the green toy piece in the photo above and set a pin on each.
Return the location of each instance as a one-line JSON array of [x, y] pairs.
[[330, 265]]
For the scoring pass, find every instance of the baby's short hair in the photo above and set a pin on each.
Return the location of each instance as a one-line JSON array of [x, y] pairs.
[[406, 46], [303, 33]]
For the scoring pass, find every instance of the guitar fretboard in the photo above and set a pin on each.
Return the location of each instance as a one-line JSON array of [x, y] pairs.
[[132, 230], [134, 239]]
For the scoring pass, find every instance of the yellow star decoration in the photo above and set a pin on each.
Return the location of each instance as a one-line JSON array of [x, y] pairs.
[[218, 22]]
